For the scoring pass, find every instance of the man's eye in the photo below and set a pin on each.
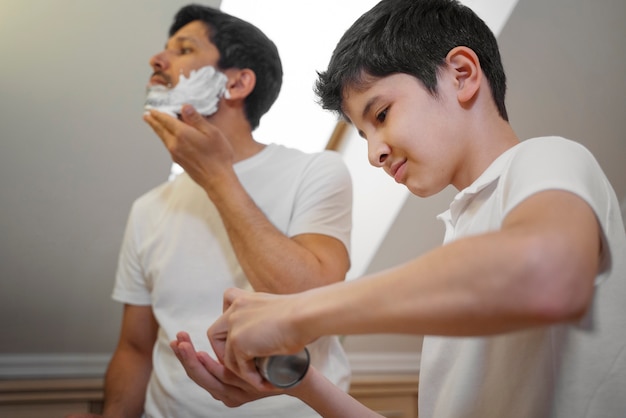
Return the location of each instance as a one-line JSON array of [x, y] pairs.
[[184, 51], [382, 115]]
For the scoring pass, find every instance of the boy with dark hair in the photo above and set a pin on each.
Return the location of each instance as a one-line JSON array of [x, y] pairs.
[[522, 307]]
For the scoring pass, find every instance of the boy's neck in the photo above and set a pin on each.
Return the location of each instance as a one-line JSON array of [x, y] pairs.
[[487, 143]]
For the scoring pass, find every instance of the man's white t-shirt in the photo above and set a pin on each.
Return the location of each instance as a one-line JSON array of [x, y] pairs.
[[176, 257], [563, 371]]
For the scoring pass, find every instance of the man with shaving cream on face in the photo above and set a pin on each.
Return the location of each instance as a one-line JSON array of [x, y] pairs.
[[242, 214]]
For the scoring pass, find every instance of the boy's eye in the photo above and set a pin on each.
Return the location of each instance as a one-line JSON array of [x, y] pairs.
[[380, 117], [184, 51]]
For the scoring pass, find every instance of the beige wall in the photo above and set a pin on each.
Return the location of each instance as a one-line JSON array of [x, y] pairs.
[[74, 152]]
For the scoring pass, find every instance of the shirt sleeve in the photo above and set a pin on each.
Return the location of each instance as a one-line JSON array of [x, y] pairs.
[[324, 199], [558, 164], [130, 284]]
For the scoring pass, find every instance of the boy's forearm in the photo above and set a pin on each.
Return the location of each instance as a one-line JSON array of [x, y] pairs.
[[479, 285], [328, 400]]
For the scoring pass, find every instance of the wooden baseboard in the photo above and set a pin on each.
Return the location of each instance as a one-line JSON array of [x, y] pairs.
[[50, 398], [392, 395]]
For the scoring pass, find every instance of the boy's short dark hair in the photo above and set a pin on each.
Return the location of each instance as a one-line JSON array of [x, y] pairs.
[[241, 45], [412, 37]]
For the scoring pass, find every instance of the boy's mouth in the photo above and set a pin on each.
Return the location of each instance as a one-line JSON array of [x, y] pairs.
[[397, 171]]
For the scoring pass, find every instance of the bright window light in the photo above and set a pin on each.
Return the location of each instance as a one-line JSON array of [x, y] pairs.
[[305, 33]]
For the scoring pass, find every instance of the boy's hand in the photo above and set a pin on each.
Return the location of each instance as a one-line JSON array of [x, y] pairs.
[[254, 324]]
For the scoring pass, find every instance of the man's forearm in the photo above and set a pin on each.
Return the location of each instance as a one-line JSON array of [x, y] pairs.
[[125, 385], [272, 261]]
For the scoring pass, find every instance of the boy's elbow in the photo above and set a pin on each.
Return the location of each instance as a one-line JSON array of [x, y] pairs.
[[561, 308], [563, 285]]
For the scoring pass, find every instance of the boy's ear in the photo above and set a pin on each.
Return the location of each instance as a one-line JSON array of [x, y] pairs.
[[467, 73], [240, 83]]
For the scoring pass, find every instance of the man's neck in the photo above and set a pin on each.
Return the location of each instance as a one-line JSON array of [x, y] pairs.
[[237, 131]]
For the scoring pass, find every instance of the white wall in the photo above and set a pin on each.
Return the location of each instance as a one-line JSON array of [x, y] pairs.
[[305, 33]]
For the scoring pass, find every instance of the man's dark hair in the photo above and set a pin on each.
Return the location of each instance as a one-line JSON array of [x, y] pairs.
[[411, 37], [241, 45]]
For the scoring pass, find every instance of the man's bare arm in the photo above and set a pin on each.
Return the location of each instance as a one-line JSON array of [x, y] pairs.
[[127, 376], [272, 261]]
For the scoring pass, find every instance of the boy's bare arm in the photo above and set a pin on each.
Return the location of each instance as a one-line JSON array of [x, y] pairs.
[[538, 269]]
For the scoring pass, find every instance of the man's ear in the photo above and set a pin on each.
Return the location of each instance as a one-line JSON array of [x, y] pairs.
[[240, 83], [467, 72]]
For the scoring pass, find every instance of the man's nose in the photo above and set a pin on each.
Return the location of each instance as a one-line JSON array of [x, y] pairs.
[[159, 61]]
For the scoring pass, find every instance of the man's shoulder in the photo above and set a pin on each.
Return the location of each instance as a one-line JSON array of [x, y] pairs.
[[294, 156], [163, 192], [283, 149]]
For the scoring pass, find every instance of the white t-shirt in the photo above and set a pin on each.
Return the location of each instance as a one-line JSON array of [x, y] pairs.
[[565, 371], [176, 257]]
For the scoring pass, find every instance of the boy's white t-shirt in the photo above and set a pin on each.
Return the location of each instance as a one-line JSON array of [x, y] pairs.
[[562, 371], [176, 257]]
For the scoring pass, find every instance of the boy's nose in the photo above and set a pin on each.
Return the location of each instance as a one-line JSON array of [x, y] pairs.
[[377, 152]]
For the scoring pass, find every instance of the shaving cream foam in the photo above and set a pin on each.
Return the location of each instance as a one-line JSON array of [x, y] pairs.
[[203, 90]]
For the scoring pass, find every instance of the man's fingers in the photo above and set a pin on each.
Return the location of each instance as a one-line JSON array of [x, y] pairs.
[[168, 122], [183, 336], [191, 117], [188, 357], [217, 369], [163, 125]]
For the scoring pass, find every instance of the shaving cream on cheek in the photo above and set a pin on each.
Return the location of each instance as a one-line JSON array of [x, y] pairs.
[[203, 90]]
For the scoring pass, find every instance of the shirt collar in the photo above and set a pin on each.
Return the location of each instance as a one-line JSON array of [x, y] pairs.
[[490, 175]]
